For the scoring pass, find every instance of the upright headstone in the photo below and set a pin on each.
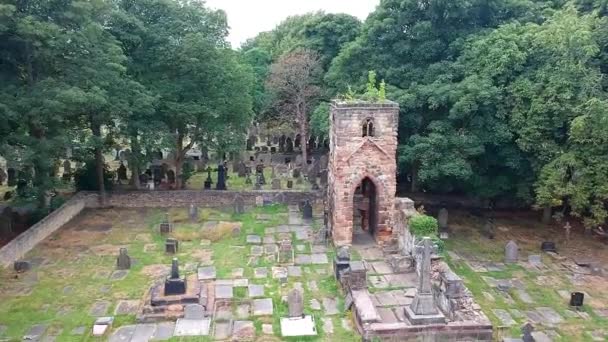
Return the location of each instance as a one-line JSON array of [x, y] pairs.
[[442, 219], [67, 167], [288, 145], [241, 169], [2, 176], [11, 175], [295, 303], [289, 184], [208, 181], [193, 213], [239, 205], [307, 211], [526, 332], [259, 173], [276, 184], [511, 252], [122, 172], [221, 177], [171, 246], [123, 262], [171, 176]]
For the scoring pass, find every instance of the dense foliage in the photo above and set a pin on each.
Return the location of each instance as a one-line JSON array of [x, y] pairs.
[[97, 74], [500, 100], [423, 225]]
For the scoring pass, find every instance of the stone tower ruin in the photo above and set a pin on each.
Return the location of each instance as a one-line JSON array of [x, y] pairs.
[[362, 170]]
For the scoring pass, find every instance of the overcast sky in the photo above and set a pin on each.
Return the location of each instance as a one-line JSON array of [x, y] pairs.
[[247, 18]]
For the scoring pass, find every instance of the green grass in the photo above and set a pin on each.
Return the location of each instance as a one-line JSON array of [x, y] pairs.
[[136, 230]]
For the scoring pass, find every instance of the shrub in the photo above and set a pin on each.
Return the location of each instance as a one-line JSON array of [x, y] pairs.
[[423, 225]]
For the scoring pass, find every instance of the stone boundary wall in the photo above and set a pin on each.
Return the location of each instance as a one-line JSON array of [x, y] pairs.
[[204, 198], [27, 240], [23, 243]]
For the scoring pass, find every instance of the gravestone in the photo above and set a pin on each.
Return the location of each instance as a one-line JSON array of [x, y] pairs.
[[288, 145], [171, 176], [239, 205], [221, 177], [2, 176], [576, 299], [423, 309], [511, 252], [123, 262], [307, 211], [67, 167], [21, 266], [488, 228], [171, 246], [296, 173], [276, 184], [259, 175], [442, 219], [548, 246], [122, 172], [241, 169], [174, 285], [526, 332], [295, 303], [193, 213], [11, 175], [208, 181], [285, 254], [290, 184]]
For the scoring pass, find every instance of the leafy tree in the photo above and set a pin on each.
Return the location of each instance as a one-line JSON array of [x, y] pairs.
[[293, 81]]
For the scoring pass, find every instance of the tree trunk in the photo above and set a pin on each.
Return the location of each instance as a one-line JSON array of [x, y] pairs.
[[96, 129], [179, 160], [134, 163], [414, 181], [304, 138]]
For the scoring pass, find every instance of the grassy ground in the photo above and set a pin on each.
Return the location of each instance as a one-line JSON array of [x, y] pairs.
[[234, 182], [79, 258], [542, 285]]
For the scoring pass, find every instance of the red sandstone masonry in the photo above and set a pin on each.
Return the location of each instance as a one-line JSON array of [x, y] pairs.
[[353, 158]]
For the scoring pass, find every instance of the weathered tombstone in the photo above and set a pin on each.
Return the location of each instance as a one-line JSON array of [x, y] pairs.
[[193, 213], [122, 172], [259, 173], [239, 205], [276, 184], [171, 176], [21, 266], [299, 160], [2, 176], [221, 177], [241, 169], [526, 332], [511, 252], [289, 184], [488, 228], [341, 261], [208, 181], [423, 309], [297, 142], [577, 299], [123, 262], [548, 246], [67, 167], [307, 211], [11, 177], [295, 303], [174, 285], [442, 219], [282, 144], [288, 145], [171, 246]]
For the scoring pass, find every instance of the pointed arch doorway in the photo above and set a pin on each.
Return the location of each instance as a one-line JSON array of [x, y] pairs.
[[365, 212]]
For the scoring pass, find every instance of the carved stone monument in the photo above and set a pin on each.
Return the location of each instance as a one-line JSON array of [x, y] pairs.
[[511, 252], [123, 262], [174, 285], [423, 309], [295, 303]]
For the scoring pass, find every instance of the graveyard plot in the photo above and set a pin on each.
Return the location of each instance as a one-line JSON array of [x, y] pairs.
[[512, 294], [234, 182], [74, 280]]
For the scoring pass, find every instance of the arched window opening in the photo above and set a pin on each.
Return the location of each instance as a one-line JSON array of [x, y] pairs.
[[368, 128]]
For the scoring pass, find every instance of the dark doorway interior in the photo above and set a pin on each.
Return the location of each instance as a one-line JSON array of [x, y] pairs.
[[365, 211]]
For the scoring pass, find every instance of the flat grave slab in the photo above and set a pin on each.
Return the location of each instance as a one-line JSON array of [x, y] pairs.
[[262, 307], [192, 327], [206, 273], [299, 326], [260, 272], [255, 290], [123, 334], [35, 332], [504, 317], [143, 332], [254, 239], [126, 307], [319, 258], [224, 292], [330, 305], [303, 259], [99, 308], [164, 331], [294, 271], [243, 331]]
